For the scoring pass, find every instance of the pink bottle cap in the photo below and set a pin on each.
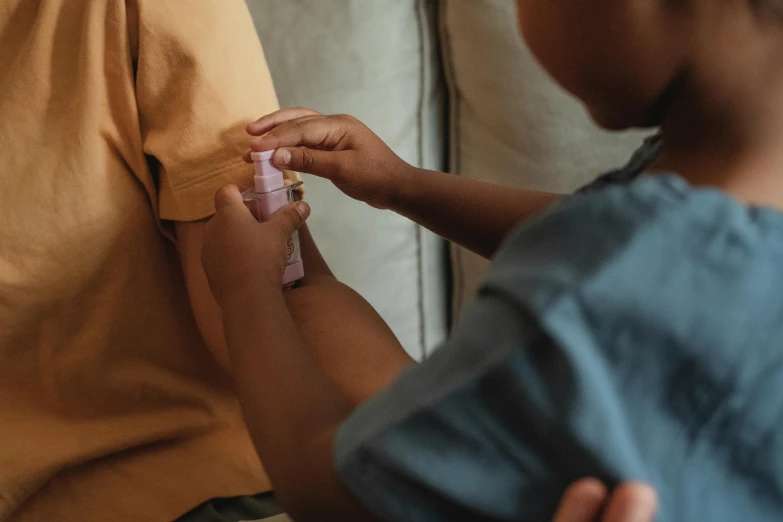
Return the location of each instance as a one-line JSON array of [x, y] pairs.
[[262, 156], [268, 177]]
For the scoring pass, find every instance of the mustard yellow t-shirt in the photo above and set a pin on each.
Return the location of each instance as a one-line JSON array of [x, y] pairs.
[[116, 116]]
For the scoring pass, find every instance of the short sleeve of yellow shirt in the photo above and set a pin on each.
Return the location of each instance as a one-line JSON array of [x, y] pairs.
[[200, 78]]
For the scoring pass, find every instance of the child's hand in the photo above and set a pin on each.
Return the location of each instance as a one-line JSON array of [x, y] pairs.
[[240, 254], [339, 148], [588, 500]]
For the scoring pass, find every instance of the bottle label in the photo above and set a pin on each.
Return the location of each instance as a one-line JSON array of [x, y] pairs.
[[294, 251]]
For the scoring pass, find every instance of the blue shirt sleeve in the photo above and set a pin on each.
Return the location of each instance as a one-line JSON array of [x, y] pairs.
[[505, 416], [477, 432]]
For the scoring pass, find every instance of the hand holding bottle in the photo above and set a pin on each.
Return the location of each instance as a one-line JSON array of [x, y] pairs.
[[339, 148]]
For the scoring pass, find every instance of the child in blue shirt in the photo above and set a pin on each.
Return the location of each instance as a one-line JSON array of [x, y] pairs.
[[633, 331]]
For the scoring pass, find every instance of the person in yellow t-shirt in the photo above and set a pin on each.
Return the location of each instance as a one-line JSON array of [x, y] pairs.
[[119, 119]]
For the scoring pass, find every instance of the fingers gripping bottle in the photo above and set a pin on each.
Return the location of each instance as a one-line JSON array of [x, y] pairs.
[[270, 195]]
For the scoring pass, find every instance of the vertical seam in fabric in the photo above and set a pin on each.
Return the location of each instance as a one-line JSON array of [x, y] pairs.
[[458, 265], [423, 47]]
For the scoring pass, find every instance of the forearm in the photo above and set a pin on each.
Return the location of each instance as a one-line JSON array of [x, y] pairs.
[[359, 356], [291, 409], [474, 214], [349, 341], [276, 377]]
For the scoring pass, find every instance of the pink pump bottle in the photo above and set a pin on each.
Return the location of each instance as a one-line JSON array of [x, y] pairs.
[[270, 195]]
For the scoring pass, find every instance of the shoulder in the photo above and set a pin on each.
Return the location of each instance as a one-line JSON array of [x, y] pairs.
[[649, 259], [626, 237], [586, 232]]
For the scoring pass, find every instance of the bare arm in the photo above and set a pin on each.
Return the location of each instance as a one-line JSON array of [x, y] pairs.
[[349, 341], [303, 358], [474, 214], [317, 306], [291, 408]]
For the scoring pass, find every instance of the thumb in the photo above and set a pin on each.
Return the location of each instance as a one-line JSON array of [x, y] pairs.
[[290, 218], [582, 502], [322, 163], [632, 501], [228, 197]]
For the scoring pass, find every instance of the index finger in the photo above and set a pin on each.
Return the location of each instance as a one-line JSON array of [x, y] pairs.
[[582, 502], [270, 121], [325, 132], [632, 501], [227, 197]]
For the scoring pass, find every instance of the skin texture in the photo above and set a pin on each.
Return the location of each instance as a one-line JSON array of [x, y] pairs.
[[707, 71]]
